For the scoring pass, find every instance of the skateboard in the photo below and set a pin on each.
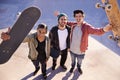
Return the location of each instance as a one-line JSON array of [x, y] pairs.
[[113, 13], [19, 31]]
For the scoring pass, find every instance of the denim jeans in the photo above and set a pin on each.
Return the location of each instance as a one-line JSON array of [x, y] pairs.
[[78, 57], [63, 58], [43, 65]]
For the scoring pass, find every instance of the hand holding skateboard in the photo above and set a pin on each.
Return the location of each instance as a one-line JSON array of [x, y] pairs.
[[107, 28], [5, 35]]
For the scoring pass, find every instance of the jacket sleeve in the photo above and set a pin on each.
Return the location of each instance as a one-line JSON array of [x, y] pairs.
[[71, 24], [27, 39], [68, 38], [48, 48], [95, 31], [51, 36]]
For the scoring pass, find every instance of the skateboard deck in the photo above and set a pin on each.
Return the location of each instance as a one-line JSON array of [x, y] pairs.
[[113, 13], [19, 31]]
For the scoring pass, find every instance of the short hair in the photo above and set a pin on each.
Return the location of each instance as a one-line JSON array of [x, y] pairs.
[[78, 11], [42, 25]]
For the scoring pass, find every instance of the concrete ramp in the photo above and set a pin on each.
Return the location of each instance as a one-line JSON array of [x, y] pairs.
[[100, 63]]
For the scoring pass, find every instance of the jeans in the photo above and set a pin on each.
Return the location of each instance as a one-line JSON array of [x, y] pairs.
[[63, 58], [78, 57], [43, 65]]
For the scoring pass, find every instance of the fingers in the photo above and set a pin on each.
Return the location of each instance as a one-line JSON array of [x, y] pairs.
[[5, 36], [110, 27], [107, 28], [56, 13]]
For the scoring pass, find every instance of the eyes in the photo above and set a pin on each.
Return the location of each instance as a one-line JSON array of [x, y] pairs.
[[79, 16], [41, 31], [63, 18]]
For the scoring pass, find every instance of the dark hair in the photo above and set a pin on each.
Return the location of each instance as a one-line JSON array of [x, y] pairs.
[[78, 11], [42, 25]]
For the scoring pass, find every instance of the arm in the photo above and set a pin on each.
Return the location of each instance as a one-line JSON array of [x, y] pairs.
[[95, 31], [51, 37], [71, 24], [5, 36], [68, 39], [98, 31], [48, 48]]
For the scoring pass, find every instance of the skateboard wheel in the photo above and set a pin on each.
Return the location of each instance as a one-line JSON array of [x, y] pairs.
[[110, 37], [19, 13], [108, 7], [98, 5]]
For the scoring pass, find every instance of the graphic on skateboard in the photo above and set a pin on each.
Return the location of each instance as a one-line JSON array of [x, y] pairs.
[[19, 31], [113, 13]]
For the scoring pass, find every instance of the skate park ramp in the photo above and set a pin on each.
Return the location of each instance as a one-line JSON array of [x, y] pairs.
[[102, 57], [99, 63], [9, 10]]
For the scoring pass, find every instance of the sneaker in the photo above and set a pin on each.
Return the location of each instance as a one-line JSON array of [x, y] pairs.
[[71, 70], [80, 71], [35, 72], [44, 76], [64, 67]]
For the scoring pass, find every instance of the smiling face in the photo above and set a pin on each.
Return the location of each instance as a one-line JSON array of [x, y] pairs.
[[41, 32], [79, 17], [62, 21]]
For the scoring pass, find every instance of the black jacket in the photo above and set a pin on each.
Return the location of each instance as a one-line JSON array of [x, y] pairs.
[[54, 37]]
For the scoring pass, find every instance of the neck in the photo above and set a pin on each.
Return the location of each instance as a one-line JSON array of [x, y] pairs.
[[61, 27], [41, 38], [79, 23]]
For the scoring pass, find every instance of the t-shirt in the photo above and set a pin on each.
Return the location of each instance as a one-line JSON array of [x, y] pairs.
[[76, 40], [41, 50], [62, 35]]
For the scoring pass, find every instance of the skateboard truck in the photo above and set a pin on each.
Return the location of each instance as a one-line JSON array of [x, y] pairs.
[[105, 6], [116, 39]]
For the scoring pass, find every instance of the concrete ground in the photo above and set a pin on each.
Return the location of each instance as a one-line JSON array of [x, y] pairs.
[[100, 63]]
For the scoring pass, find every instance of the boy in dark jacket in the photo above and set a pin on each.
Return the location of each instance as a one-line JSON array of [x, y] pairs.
[[60, 40]]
